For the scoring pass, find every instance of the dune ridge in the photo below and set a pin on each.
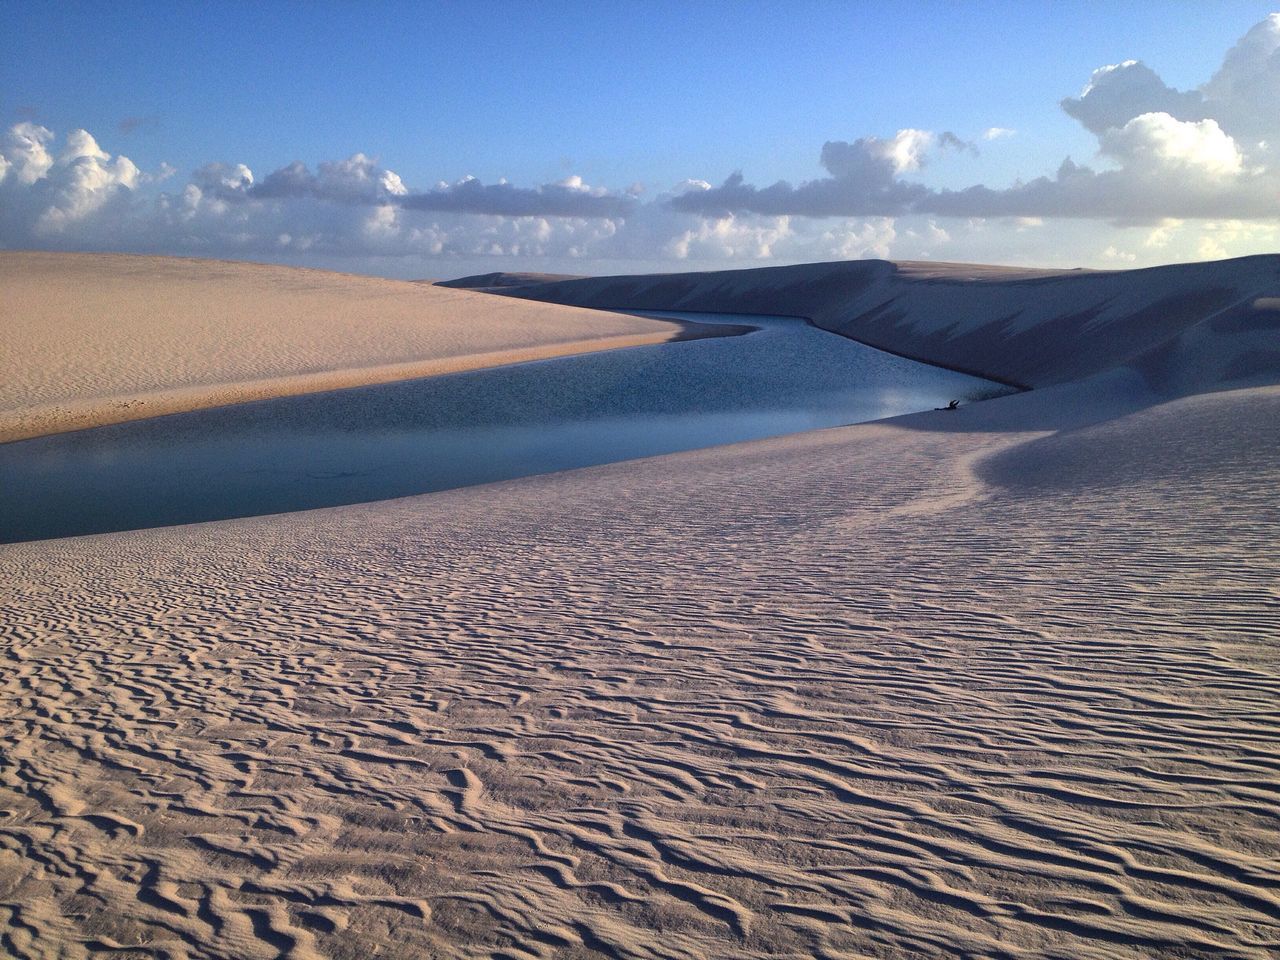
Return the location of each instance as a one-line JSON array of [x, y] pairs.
[[92, 339], [1026, 327]]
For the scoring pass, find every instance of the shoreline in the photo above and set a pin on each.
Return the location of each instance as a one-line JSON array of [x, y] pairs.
[[969, 372], [35, 422], [103, 338]]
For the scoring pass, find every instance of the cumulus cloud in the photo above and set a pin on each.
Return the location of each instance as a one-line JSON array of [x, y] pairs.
[[865, 180], [225, 181], [26, 152], [1156, 142], [358, 179], [84, 178], [1117, 93], [361, 180], [1164, 153], [565, 198], [1245, 90], [1240, 97], [47, 192]]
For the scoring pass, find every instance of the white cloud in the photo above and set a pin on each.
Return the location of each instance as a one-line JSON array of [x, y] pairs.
[[1241, 95], [1232, 238], [1117, 93], [26, 152], [997, 133], [223, 180], [348, 209], [382, 223], [854, 239], [1156, 142], [1111, 253], [81, 146], [1163, 234], [728, 239], [358, 179], [44, 195], [905, 150], [1245, 91]]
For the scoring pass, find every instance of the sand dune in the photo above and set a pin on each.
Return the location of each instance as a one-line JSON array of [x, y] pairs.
[[101, 338], [999, 682], [1027, 327], [886, 690]]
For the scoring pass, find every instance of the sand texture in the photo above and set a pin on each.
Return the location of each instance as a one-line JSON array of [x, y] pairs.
[[933, 687], [100, 338], [1026, 327], [992, 683]]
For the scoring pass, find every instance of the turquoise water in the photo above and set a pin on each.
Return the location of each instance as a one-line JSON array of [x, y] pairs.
[[393, 440]]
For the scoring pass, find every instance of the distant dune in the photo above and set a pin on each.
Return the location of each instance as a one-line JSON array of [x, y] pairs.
[[494, 281], [99, 338], [1187, 327]]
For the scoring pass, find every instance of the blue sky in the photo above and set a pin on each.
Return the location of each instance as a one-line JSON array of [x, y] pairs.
[[638, 101]]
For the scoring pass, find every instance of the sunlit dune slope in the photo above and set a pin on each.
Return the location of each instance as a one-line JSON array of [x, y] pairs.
[[98, 338]]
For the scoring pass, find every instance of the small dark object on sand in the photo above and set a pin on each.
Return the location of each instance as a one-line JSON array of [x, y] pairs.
[[953, 405]]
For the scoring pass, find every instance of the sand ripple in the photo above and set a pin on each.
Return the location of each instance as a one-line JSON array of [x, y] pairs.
[[862, 693]]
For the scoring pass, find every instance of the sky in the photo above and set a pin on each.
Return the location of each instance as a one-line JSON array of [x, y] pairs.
[[437, 140]]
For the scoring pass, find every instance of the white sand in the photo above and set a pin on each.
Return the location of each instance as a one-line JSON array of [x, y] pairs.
[[99, 338], [998, 682]]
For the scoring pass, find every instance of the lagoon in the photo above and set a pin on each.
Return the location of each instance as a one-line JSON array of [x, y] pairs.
[[437, 433]]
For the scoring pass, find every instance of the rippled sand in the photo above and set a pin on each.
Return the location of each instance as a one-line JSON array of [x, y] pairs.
[[993, 683]]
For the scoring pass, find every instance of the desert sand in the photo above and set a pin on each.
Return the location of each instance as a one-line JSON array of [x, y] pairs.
[[998, 682], [101, 338]]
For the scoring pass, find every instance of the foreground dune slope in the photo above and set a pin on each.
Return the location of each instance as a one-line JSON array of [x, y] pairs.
[[99, 338], [1028, 327], [977, 684]]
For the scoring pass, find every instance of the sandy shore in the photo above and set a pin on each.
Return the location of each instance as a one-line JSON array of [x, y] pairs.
[[998, 682], [102, 338]]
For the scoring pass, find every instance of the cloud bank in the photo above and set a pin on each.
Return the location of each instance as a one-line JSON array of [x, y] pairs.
[[1175, 173]]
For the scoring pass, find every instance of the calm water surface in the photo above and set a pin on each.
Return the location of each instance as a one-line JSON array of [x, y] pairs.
[[392, 440]]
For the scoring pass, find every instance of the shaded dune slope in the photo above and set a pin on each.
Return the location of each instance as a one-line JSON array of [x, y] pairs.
[[1027, 327]]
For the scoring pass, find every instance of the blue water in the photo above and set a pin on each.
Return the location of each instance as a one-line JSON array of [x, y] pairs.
[[392, 440]]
